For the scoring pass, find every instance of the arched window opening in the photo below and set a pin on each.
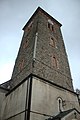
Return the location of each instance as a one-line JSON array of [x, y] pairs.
[[60, 102]]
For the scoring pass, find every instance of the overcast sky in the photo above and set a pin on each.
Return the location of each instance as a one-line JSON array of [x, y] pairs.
[[13, 16]]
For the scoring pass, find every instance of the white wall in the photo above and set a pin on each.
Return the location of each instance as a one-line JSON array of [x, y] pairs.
[[15, 103], [44, 99], [2, 96]]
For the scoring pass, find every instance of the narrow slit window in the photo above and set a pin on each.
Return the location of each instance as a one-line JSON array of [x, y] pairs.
[[60, 106], [52, 28], [55, 62], [48, 25], [29, 26], [52, 42], [21, 65], [25, 44]]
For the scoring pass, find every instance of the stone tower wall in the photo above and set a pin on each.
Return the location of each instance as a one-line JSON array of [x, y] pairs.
[[24, 61], [43, 64], [45, 53]]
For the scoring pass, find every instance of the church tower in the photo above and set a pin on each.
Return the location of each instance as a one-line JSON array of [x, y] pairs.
[[41, 85], [42, 51]]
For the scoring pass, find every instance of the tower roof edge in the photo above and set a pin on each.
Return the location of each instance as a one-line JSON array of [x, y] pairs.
[[37, 10]]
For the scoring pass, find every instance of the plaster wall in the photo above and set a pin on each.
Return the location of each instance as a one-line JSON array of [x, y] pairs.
[[2, 96], [14, 103], [44, 99]]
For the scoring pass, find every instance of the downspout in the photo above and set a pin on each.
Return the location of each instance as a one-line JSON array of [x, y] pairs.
[[35, 46]]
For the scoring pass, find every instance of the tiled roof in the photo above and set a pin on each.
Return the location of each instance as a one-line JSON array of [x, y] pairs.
[[5, 85], [62, 114]]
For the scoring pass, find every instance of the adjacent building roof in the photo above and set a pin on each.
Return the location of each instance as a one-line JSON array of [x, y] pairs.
[[63, 114], [5, 85]]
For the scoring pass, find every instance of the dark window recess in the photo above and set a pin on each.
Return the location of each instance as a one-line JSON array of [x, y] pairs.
[[50, 26]]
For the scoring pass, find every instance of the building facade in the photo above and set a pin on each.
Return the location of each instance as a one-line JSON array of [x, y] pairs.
[[41, 85]]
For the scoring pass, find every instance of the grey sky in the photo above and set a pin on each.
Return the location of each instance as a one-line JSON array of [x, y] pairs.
[[15, 13]]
